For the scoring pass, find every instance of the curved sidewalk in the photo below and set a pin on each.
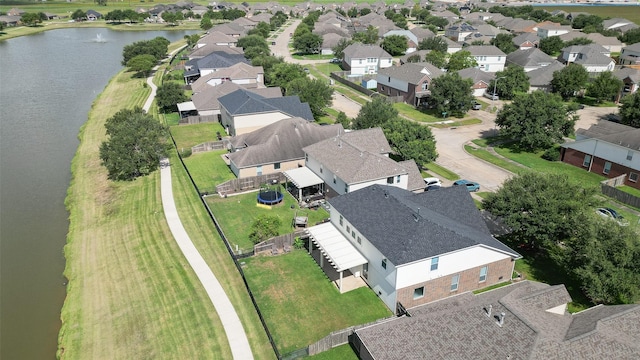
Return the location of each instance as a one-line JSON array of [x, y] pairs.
[[236, 336]]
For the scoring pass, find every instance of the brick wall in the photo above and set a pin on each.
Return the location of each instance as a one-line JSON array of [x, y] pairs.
[[439, 288], [576, 158]]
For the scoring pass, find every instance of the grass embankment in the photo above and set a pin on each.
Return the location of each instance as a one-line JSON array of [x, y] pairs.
[[131, 293], [301, 305]]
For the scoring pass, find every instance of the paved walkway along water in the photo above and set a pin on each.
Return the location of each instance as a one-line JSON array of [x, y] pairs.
[[238, 342]]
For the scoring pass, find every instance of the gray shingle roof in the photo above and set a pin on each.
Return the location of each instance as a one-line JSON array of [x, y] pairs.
[[632, 47], [411, 72], [619, 134], [524, 37], [207, 96], [358, 51], [486, 50], [279, 142], [242, 102], [214, 60], [632, 74], [458, 328], [544, 75], [408, 227], [529, 57], [476, 75]]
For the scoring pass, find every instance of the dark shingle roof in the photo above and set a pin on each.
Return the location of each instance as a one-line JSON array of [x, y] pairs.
[[412, 73], [408, 227], [544, 75], [529, 57], [459, 328], [241, 102], [484, 50], [618, 134]]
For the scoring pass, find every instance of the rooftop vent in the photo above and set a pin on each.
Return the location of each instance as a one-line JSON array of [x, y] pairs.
[[501, 319], [487, 310]]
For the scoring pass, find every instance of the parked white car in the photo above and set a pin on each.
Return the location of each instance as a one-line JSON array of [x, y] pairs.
[[430, 181]]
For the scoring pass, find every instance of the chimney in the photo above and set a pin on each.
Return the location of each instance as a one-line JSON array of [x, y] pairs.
[[501, 321], [488, 310]]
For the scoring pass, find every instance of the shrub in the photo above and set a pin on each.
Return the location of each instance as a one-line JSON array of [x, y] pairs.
[[552, 153]]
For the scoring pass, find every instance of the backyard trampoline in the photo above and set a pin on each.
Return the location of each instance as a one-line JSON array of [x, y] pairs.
[[270, 196]]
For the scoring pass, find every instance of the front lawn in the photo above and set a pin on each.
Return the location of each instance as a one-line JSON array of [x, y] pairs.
[[208, 170], [440, 171], [237, 213], [299, 303], [412, 113], [465, 122], [187, 136]]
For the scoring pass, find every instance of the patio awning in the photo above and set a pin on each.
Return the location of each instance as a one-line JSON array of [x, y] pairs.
[[303, 177], [335, 247], [186, 106]]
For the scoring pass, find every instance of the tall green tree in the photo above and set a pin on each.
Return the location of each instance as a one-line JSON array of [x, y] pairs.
[[375, 114], [436, 43], [605, 86], [262, 28], [451, 94], [536, 120], [313, 91], [157, 47], [504, 42], [308, 43], [569, 81], [169, 95], [338, 50], [411, 140], [540, 209], [79, 15], [30, 19], [205, 23], [369, 36], [266, 61], [142, 64], [583, 20], [551, 45], [282, 74], [395, 45], [192, 39], [252, 40], [437, 58], [344, 120], [461, 60], [630, 110], [134, 146], [630, 37], [511, 81]]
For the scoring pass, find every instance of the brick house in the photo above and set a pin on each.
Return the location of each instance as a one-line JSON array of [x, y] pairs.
[[413, 248], [606, 148], [410, 80]]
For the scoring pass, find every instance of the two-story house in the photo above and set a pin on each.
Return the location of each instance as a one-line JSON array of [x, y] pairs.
[[552, 30], [410, 80], [363, 59], [488, 57], [529, 59], [630, 55], [594, 58], [411, 248], [240, 73]]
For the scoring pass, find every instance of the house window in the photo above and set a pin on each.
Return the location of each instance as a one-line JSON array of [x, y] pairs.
[[360, 61], [633, 177], [398, 179], [341, 220], [425, 86], [607, 167], [587, 161], [418, 293], [390, 180], [359, 240], [454, 282], [384, 263], [346, 188], [483, 274], [434, 263], [334, 179], [276, 166], [381, 87], [306, 157], [353, 234], [348, 229], [259, 170], [389, 79], [629, 155]]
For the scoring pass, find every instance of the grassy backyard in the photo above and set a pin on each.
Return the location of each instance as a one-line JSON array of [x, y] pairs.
[[237, 213], [301, 305], [208, 170], [187, 136]]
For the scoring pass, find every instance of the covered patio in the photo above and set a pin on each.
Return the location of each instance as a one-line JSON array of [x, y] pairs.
[[304, 185], [339, 253]]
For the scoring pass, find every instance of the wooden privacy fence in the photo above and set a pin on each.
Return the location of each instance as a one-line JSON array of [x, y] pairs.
[[339, 76], [339, 337], [280, 243], [209, 146], [190, 120], [249, 183], [608, 188]]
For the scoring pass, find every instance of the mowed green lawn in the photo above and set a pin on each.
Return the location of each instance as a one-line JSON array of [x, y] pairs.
[[237, 213], [300, 304], [187, 136], [208, 170]]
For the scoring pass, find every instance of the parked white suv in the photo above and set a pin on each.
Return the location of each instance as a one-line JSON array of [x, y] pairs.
[[430, 181]]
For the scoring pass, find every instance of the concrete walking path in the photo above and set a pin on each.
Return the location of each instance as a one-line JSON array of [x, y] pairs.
[[230, 321]]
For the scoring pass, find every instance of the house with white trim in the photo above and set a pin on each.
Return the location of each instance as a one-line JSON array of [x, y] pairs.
[[412, 248], [488, 57], [363, 59], [630, 55]]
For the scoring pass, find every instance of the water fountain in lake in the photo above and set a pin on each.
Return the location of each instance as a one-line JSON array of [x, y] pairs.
[[99, 38]]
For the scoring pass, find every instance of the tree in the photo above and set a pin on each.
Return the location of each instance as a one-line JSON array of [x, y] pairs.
[[540, 209], [604, 87], [437, 58], [168, 95], [374, 114], [410, 140], [134, 146], [308, 43], [437, 21], [266, 61], [436, 43], [101, 2], [79, 15], [264, 228], [30, 19], [395, 45], [352, 12], [569, 81], [537, 120], [172, 17], [511, 81], [551, 45], [414, 58], [583, 20], [114, 16], [131, 15], [142, 64], [338, 50], [192, 39], [263, 29], [630, 110], [451, 94], [577, 41], [461, 60], [252, 41], [156, 47], [283, 73], [205, 23], [370, 36], [344, 120], [313, 91], [504, 42], [365, 11], [630, 37]]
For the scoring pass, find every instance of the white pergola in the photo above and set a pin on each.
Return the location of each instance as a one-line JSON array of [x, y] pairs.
[[302, 177], [338, 250], [186, 107]]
